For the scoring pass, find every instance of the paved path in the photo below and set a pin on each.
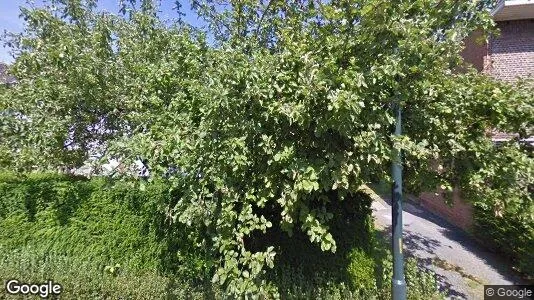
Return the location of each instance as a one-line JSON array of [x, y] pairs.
[[462, 267]]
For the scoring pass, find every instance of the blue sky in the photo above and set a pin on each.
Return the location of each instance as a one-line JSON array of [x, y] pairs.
[[9, 16]]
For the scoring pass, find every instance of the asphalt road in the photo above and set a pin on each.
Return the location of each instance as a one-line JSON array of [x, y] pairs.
[[461, 265]]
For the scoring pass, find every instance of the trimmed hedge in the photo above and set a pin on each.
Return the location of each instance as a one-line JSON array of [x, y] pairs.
[[94, 220]]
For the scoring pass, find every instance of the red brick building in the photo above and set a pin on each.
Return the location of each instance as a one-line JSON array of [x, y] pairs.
[[508, 57]]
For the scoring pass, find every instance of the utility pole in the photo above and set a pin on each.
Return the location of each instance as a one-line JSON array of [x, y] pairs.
[[398, 282]]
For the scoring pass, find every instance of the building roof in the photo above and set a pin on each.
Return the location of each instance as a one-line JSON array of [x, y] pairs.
[[4, 76], [499, 137], [507, 10]]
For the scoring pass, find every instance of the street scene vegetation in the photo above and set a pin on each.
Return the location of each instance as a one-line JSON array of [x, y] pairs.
[[146, 159]]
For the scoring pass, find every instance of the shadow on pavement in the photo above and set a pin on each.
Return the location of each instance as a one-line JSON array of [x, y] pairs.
[[462, 264], [415, 242], [418, 243]]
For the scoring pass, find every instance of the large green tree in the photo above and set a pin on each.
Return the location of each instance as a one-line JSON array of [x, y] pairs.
[[288, 104]]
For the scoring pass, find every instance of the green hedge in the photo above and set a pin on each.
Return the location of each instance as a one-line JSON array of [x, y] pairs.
[[511, 233], [94, 220], [73, 229], [86, 279]]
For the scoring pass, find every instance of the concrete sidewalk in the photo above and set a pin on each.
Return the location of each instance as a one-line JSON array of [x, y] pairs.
[[461, 265]]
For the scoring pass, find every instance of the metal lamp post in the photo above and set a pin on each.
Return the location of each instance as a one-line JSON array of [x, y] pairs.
[[398, 282]]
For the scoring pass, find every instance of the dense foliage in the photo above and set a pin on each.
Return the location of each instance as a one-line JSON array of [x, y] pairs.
[[86, 279], [90, 219], [278, 120], [510, 234], [98, 239], [106, 240]]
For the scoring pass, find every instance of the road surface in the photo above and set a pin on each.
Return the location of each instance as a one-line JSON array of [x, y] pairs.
[[461, 265]]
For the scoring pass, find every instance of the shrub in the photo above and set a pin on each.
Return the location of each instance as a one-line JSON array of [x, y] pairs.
[[95, 220], [361, 270], [87, 279], [366, 275], [421, 283], [108, 240], [511, 233]]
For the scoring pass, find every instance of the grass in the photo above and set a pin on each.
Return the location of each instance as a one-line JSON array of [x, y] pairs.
[[445, 265]]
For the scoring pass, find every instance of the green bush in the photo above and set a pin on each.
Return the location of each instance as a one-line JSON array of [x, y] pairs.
[[88, 279], [95, 220], [110, 240], [511, 234], [361, 270], [352, 229], [420, 282], [367, 275]]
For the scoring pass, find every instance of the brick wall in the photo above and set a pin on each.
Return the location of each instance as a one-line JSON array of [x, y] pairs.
[[459, 214], [475, 50], [507, 57], [511, 54]]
